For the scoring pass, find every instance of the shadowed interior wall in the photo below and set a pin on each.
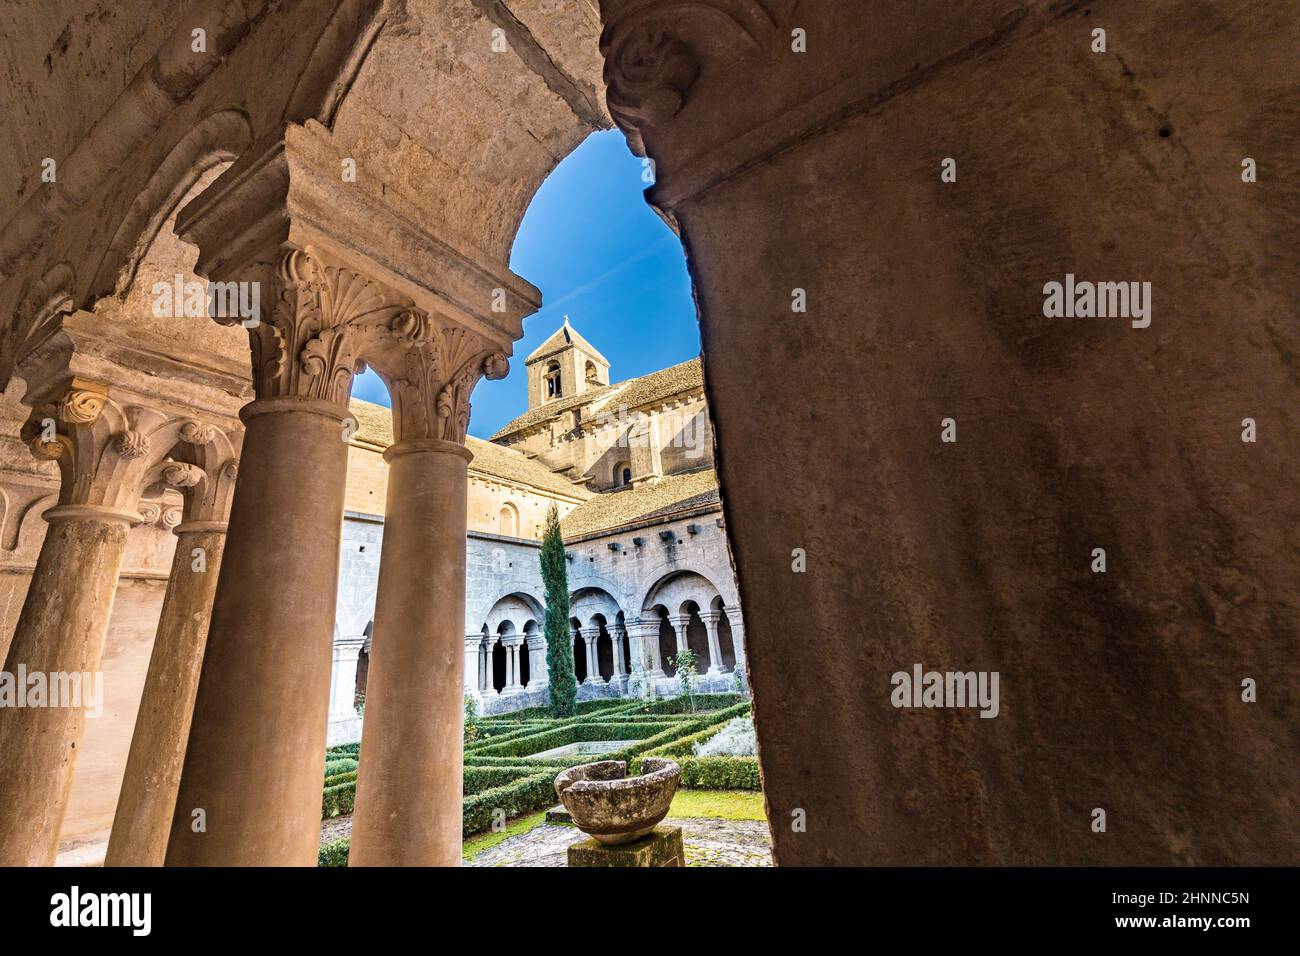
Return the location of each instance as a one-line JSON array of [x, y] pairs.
[[1119, 690]]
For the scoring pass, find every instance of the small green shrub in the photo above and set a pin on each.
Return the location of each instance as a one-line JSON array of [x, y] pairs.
[[334, 853], [342, 765], [338, 800]]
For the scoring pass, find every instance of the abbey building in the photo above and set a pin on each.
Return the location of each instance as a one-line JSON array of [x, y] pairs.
[[629, 465]]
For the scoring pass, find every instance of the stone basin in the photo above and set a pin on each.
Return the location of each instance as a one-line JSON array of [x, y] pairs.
[[613, 807]]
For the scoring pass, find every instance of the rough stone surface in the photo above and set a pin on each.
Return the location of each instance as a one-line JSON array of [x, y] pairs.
[[662, 846], [615, 808]]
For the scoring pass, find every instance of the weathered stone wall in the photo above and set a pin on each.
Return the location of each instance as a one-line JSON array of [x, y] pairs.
[[1120, 690]]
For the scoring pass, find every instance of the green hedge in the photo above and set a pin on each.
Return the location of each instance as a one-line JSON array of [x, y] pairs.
[[343, 750], [523, 796], [571, 733], [338, 778], [338, 800], [334, 767], [679, 705], [478, 779], [720, 773], [334, 853]]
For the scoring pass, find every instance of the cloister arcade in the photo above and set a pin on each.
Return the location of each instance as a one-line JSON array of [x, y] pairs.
[[810, 170], [505, 659]]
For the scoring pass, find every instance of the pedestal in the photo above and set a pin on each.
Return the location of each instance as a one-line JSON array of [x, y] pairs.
[[662, 846]]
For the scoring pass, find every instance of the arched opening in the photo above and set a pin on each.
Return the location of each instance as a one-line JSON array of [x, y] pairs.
[[622, 474], [579, 651], [604, 648], [591, 375], [551, 379], [499, 667], [528, 663], [667, 641]]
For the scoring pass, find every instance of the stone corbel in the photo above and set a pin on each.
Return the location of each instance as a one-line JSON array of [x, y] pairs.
[[655, 50]]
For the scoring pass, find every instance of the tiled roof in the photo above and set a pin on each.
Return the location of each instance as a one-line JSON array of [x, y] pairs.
[[633, 393], [375, 429], [655, 499]]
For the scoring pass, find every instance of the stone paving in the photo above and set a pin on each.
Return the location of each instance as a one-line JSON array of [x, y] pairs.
[[709, 842]]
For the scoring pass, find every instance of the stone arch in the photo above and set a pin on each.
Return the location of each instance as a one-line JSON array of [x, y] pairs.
[[41, 309], [216, 140], [678, 586]]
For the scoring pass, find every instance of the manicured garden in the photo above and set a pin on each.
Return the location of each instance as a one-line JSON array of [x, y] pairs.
[[505, 779]]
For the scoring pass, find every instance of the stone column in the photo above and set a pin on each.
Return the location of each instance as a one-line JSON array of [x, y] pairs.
[[264, 690], [147, 800], [710, 619], [679, 623], [473, 667], [643, 642], [343, 679], [737, 635], [489, 686], [409, 784], [322, 243], [589, 636], [103, 451], [620, 667], [539, 671], [511, 644]]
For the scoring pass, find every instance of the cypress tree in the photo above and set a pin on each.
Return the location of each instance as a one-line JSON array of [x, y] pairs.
[[559, 642]]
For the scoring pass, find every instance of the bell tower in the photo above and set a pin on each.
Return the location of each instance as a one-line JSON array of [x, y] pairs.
[[563, 366]]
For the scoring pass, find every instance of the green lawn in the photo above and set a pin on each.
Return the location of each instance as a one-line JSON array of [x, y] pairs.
[[718, 804]]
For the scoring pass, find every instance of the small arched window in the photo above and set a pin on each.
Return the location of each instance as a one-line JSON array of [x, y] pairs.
[[622, 474], [509, 522], [591, 374], [553, 380]]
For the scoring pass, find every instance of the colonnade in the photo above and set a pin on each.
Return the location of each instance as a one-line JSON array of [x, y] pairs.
[[227, 761]]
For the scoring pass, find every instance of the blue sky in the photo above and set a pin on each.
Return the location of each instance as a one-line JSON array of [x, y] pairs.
[[601, 256]]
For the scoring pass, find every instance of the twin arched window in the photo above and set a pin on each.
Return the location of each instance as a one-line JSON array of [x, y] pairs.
[[552, 380]]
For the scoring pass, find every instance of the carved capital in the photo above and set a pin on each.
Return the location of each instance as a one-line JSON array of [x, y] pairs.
[[323, 317], [110, 456], [430, 372]]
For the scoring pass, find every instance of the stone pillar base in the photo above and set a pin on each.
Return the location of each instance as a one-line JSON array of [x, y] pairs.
[[662, 846]]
